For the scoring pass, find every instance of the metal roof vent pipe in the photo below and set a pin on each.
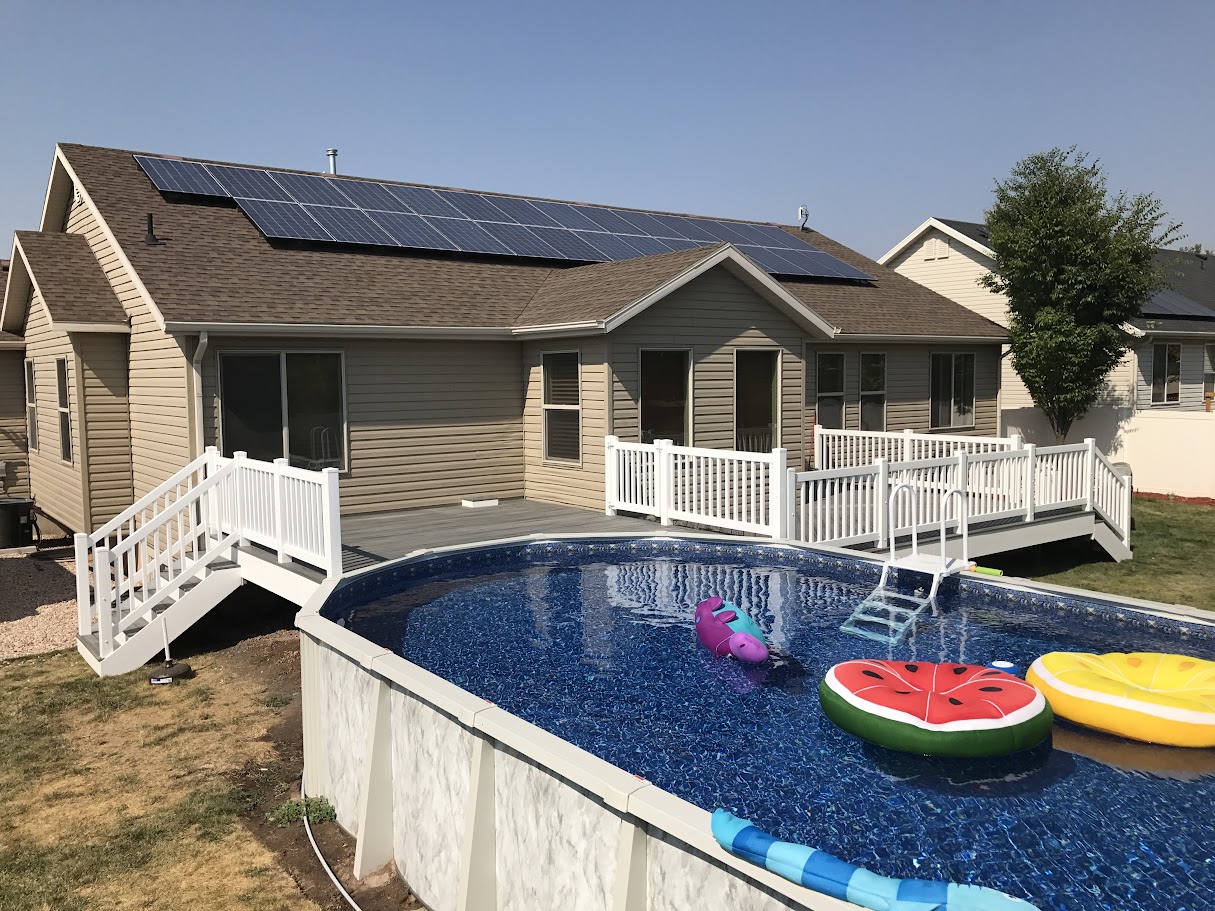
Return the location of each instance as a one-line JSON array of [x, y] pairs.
[[803, 216], [150, 238], [332, 153]]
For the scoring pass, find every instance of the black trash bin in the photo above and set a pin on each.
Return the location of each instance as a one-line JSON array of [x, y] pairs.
[[16, 522]]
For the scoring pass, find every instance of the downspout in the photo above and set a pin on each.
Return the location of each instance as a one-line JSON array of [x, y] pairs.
[[199, 350]]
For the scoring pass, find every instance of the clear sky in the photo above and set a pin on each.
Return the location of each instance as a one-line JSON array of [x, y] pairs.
[[875, 115]]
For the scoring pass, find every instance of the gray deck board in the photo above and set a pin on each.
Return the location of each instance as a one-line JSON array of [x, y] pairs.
[[374, 537]]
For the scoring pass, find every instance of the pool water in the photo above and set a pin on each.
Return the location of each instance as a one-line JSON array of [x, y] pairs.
[[596, 645]]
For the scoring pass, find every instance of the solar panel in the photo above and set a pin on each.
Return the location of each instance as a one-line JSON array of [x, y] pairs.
[[1168, 302], [282, 219], [172, 176], [309, 188], [350, 226], [328, 208]]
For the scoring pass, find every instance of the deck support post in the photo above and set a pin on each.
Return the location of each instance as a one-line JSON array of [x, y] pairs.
[[1031, 480], [629, 893], [374, 846], [1090, 472], [479, 855], [610, 468]]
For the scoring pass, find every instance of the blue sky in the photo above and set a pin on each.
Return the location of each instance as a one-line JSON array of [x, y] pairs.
[[875, 115]]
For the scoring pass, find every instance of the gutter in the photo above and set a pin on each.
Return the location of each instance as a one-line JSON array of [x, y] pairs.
[[330, 330], [919, 339], [199, 350]]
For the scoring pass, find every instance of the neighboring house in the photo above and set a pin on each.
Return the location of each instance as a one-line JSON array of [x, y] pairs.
[[1154, 413], [159, 323], [14, 471]]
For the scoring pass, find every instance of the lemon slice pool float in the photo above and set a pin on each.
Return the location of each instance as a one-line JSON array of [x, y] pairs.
[[1150, 696]]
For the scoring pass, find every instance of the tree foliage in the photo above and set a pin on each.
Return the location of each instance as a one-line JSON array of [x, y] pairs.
[[1076, 264]]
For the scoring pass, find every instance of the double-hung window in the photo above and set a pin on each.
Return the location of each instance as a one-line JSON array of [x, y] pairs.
[[1166, 374], [31, 406], [873, 391], [562, 406], [284, 404], [829, 386], [65, 413], [952, 390]]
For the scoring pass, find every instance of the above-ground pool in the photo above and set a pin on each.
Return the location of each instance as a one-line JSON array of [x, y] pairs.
[[593, 642]]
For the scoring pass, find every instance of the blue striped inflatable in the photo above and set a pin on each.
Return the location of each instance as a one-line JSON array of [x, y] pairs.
[[821, 872]]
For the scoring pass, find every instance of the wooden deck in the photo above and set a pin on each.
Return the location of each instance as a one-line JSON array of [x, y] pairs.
[[376, 537]]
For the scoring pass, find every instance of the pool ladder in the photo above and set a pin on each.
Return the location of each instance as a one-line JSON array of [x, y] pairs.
[[886, 615]]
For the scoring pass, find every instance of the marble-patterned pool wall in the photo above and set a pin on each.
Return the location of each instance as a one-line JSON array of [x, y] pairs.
[[482, 810]]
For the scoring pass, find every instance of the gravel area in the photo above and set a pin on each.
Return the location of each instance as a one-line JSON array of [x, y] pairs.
[[37, 604]]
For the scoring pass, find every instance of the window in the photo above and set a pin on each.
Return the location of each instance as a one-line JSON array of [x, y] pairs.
[[562, 407], [664, 396], [65, 414], [287, 404], [873, 391], [755, 400], [829, 371], [31, 406], [952, 392], [1166, 374]]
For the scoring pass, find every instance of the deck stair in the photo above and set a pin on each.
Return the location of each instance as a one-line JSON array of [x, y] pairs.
[[886, 614], [152, 572]]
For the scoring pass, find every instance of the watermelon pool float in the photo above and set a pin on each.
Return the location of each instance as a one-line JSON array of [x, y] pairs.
[[936, 709]]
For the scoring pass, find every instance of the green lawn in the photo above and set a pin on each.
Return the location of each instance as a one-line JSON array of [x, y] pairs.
[[1173, 558]]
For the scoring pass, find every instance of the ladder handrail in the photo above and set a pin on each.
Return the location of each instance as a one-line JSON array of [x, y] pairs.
[[963, 522], [915, 515]]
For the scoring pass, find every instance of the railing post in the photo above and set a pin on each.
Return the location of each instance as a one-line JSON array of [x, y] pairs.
[[908, 436], [610, 469], [791, 501], [103, 587], [963, 485], [776, 493], [83, 605], [280, 531], [206, 506], [331, 517], [818, 446], [1090, 473], [664, 494], [881, 496], [1128, 482], [1015, 442], [238, 487], [1031, 480]]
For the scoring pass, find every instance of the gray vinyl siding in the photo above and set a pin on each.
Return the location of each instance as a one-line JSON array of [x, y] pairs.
[[429, 422], [15, 478], [158, 369], [58, 486], [908, 385], [573, 484], [1193, 364], [106, 454], [713, 315]]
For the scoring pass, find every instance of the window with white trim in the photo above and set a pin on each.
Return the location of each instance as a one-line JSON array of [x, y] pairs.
[[829, 386], [873, 391], [31, 406], [65, 413], [952, 391], [562, 406], [284, 404], [1166, 374]]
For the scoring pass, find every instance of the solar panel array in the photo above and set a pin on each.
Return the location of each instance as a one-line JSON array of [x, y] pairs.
[[1170, 303], [312, 207]]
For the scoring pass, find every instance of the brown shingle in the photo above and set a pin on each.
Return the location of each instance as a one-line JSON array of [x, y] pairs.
[[73, 287]]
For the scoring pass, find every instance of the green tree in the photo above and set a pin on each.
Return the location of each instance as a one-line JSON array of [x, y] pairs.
[[1076, 264], [1195, 248]]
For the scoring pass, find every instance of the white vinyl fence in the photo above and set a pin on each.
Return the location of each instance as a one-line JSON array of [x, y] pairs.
[[855, 448], [145, 555]]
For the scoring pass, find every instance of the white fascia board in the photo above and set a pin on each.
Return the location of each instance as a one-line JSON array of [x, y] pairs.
[[921, 339], [246, 329], [557, 330], [13, 285], [105, 228], [944, 229]]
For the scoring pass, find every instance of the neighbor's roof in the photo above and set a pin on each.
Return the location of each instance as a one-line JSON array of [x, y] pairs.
[[215, 268], [69, 277]]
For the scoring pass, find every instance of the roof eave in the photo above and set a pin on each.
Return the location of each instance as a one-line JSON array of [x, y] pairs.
[[920, 339], [470, 333]]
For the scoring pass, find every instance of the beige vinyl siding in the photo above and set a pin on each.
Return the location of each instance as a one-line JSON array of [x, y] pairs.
[[107, 452], [58, 486], [157, 371], [1192, 367], [15, 478], [429, 422], [713, 315], [574, 484], [909, 385]]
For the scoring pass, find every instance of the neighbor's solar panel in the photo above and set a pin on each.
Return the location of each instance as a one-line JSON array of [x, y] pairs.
[[1170, 303], [346, 210]]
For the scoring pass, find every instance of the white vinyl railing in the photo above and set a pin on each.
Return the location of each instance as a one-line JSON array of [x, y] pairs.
[[134, 563], [719, 488], [856, 448]]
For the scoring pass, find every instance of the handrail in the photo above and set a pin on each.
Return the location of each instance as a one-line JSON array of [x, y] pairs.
[[963, 522], [915, 516], [149, 499]]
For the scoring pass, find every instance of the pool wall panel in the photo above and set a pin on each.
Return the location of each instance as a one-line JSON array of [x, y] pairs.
[[678, 880], [348, 693]]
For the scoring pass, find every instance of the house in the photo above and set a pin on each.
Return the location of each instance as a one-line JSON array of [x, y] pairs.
[[433, 353], [14, 474], [1155, 411]]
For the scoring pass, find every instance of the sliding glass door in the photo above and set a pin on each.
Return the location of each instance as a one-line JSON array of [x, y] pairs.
[[664, 397], [756, 392]]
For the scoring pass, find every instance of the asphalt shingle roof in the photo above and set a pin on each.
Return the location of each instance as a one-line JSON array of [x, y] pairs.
[[216, 267], [975, 230], [73, 286]]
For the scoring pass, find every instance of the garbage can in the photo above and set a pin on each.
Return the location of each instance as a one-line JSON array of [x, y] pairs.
[[16, 522]]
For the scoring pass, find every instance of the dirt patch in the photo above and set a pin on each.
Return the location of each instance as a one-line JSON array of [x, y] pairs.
[[118, 795], [1170, 498]]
